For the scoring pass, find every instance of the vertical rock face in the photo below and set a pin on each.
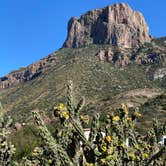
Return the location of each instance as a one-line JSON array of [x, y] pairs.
[[117, 25]]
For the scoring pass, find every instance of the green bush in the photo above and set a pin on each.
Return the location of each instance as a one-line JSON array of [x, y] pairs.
[[25, 141]]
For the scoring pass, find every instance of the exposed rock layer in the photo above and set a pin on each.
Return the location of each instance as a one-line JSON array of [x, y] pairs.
[[26, 74], [117, 25]]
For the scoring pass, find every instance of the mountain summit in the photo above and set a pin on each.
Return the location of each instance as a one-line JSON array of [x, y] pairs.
[[117, 25]]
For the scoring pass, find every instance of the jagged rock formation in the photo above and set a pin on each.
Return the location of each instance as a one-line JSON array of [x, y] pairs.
[[116, 56], [26, 74], [117, 25], [106, 55], [121, 58], [148, 59]]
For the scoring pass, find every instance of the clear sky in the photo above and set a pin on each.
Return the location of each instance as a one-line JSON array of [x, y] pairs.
[[31, 29]]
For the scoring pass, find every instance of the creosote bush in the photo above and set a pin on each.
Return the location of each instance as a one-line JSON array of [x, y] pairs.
[[119, 145]]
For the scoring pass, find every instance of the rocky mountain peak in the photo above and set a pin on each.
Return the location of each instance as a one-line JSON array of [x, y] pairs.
[[117, 25]]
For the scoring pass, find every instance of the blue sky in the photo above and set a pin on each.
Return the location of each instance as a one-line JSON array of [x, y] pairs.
[[31, 29]]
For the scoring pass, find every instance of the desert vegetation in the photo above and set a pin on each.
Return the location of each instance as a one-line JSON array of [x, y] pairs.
[[115, 142]]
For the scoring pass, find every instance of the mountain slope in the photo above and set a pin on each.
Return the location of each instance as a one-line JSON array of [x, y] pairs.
[[100, 82]]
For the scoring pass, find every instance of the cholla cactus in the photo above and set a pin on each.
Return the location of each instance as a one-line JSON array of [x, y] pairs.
[[142, 150], [57, 155], [6, 148], [119, 145]]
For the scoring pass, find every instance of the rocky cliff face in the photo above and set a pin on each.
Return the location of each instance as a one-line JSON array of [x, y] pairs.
[[117, 25], [26, 74]]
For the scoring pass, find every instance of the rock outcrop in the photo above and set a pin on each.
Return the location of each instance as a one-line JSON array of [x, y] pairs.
[[159, 73], [116, 56], [117, 25], [148, 59], [26, 74]]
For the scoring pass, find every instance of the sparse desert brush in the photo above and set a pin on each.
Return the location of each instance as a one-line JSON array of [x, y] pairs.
[[117, 143]]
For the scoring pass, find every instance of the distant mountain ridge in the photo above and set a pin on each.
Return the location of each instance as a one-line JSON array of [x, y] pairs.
[[26, 74]]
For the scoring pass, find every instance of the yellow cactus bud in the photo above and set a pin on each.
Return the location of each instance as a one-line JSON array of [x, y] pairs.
[[145, 155], [132, 156], [108, 138], [103, 161], [129, 119], [122, 145], [137, 114], [61, 107], [124, 107], [65, 115], [116, 118]]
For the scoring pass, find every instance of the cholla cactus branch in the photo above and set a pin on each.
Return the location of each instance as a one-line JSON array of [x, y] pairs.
[[80, 105], [94, 128], [80, 132], [7, 150], [58, 152], [70, 100], [156, 156]]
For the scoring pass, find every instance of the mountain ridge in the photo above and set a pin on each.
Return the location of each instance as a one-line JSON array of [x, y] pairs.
[[118, 56], [99, 82]]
